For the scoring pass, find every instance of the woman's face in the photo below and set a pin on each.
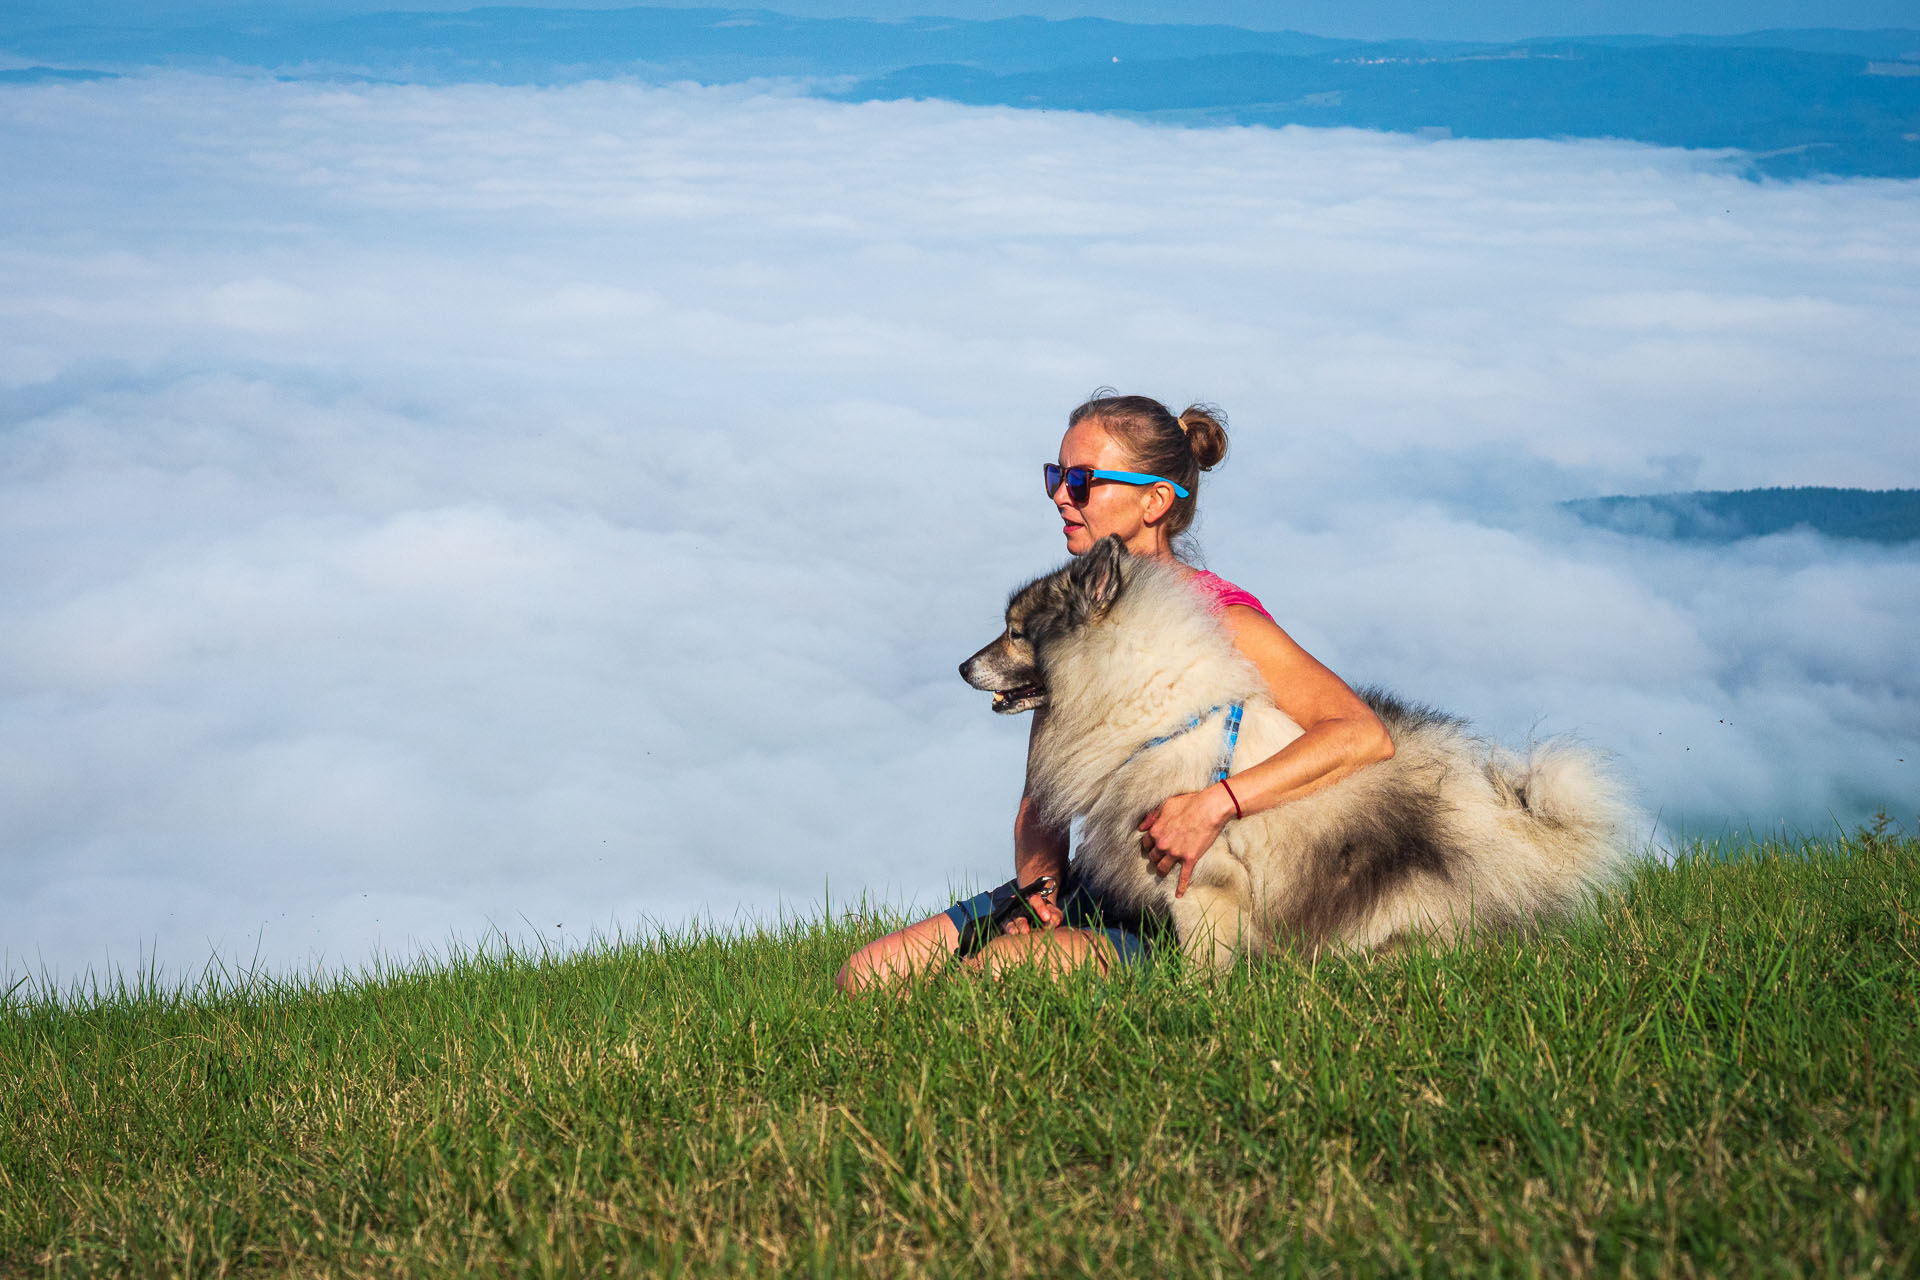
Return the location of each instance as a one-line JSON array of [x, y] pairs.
[[1124, 509]]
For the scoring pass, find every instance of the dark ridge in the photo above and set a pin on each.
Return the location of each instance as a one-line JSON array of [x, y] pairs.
[[1889, 517]]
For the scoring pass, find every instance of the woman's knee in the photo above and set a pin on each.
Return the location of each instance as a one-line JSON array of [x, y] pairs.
[[868, 965], [899, 954], [853, 975]]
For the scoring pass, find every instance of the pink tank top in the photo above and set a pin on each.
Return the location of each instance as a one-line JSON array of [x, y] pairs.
[[1220, 593]]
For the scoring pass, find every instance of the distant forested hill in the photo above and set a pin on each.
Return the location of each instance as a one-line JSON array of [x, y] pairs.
[[1796, 102], [1870, 515], [519, 45], [1793, 111]]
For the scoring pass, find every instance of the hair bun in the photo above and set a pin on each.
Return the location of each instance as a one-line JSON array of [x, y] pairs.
[[1206, 429]]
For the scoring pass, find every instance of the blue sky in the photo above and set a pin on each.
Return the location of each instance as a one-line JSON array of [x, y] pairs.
[[1491, 20]]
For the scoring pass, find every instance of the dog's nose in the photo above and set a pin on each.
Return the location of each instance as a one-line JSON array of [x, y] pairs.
[[963, 669]]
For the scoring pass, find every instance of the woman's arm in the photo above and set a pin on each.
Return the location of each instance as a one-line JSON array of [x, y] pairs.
[[1038, 849], [1341, 736]]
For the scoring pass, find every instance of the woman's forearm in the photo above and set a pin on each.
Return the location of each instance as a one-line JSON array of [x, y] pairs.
[[1332, 749], [1038, 849]]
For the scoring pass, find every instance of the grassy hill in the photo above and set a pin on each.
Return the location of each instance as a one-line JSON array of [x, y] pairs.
[[1720, 1075]]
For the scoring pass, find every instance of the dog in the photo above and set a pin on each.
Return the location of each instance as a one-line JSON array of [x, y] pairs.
[[1135, 680]]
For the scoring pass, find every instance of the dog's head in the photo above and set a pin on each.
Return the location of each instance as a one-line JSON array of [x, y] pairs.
[[1013, 668]]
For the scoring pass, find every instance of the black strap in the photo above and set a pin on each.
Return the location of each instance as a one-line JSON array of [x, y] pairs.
[[981, 930]]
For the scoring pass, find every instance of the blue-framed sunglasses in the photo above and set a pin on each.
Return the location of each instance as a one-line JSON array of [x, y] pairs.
[[1078, 478]]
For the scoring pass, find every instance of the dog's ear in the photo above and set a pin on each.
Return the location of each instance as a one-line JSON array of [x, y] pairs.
[[1096, 575]]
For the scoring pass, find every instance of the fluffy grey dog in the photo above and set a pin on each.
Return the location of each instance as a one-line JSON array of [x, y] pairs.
[[1136, 678]]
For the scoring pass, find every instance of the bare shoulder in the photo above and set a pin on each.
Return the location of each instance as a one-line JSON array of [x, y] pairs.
[[1302, 686], [1255, 634]]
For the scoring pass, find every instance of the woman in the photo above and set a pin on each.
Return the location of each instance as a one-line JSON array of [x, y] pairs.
[[1150, 505]]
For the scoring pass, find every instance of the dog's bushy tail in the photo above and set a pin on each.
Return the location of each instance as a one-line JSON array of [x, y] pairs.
[[1578, 813]]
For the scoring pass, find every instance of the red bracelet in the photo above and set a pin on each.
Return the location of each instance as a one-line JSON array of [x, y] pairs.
[[1234, 798]]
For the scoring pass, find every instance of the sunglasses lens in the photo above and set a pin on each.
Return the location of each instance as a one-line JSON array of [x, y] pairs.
[[1076, 479]]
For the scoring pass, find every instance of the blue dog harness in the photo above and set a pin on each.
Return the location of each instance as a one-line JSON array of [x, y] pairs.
[[1231, 730]]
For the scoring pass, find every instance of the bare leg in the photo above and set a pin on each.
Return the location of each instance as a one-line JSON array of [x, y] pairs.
[[1054, 952], [899, 955]]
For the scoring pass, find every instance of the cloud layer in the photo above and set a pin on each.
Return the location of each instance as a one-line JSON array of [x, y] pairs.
[[427, 511]]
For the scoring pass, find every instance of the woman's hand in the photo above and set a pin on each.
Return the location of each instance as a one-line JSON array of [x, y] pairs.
[[1182, 828], [1050, 915]]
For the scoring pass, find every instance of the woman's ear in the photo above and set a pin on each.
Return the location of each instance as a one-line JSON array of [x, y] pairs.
[[1159, 502]]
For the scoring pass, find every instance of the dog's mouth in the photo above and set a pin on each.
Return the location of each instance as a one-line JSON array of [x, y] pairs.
[[1026, 697]]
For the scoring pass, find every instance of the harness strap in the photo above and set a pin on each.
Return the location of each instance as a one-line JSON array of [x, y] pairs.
[[1221, 770], [1165, 738], [1231, 730]]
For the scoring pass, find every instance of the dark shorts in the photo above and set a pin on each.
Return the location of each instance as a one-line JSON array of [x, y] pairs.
[[1128, 937]]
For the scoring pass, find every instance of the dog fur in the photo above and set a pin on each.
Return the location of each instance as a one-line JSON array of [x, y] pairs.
[[1450, 835]]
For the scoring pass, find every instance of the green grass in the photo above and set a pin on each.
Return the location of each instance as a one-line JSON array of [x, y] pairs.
[[1718, 1076]]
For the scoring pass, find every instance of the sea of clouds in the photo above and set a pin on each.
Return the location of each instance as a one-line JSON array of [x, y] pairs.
[[434, 512]]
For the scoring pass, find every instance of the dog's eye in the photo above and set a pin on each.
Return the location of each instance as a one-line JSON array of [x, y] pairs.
[[1015, 633]]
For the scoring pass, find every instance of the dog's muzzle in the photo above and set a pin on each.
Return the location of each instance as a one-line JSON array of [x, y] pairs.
[[1008, 700]]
